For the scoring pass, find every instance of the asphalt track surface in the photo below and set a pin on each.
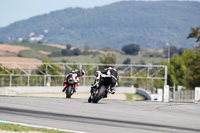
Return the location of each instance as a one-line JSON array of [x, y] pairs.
[[108, 116]]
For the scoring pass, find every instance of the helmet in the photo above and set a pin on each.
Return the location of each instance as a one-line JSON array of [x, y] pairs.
[[97, 73], [76, 70], [82, 72], [109, 67]]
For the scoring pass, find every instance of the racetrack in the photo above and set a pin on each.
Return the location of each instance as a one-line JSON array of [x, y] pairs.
[[108, 116]]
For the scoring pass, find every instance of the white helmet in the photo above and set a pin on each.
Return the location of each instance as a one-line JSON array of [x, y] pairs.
[[97, 73]]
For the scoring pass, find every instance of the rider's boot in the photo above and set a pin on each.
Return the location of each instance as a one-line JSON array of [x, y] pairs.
[[112, 91]]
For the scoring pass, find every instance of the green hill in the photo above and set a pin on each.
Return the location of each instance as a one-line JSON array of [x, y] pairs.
[[149, 24]]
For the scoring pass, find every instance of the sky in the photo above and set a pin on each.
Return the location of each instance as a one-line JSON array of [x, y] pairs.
[[15, 10]]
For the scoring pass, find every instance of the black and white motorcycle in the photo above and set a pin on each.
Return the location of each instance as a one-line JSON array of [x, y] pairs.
[[100, 88]]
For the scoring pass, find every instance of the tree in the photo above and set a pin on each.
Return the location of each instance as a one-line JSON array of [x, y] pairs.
[[195, 33], [39, 42], [25, 41], [127, 61], [185, 69], [70, 52], [108, 59], [131, 49], [76, 52], [192, 75], [181, 50], [85, 50], [68, 46], [66, 52], [52, 69]]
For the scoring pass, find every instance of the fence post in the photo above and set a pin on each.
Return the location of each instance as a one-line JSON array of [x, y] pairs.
[[166, 93], [84, 81], [160, 94], [44, 80], [10, 80], [174, 90], [80, 66], [197, 94], [165, 75], [28, 80]]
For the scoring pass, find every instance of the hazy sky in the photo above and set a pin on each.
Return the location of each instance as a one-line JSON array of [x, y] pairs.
[[15, 10]]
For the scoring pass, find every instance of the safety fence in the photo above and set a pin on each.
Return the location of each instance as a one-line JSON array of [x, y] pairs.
[[57, 80], [53, 74], [182, 96]]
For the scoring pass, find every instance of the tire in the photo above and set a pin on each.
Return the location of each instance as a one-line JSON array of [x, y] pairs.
[[99, 94], [89, 100], [69, 91]]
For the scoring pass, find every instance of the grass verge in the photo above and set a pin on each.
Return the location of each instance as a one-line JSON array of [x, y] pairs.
[[19, 128], [135, 97]]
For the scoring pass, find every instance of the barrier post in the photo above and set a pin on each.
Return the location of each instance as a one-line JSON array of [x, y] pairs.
[[160, 95], [166, 93], [197, 94]]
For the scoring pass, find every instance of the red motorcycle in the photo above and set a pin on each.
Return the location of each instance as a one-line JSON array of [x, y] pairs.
[[70, 86], [71, 82]]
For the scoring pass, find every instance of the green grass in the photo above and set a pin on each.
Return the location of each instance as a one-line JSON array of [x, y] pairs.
[[138, 59], [135, 97], [78, 59], [36, 46], [120, 58], [32, 54], [19, 128]]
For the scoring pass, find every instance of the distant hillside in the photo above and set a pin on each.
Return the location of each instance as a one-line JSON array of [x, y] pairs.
[[149, 24]]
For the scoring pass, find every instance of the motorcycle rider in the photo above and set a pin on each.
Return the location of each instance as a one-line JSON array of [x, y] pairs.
[[75, 74], [109, 71]]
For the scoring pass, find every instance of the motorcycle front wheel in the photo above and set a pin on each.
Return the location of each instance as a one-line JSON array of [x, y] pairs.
[[69, 91], [99, 94], [89, 99]]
